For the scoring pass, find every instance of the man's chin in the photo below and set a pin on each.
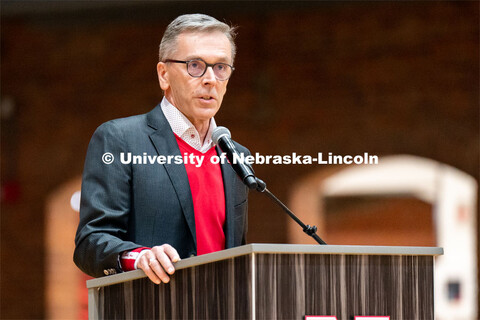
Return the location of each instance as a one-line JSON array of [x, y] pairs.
[[206, 113]]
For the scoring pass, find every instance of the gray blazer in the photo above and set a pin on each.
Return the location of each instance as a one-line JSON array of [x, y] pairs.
[[125, 206]]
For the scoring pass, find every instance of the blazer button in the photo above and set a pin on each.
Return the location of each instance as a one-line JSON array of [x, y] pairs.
[[106, 272]]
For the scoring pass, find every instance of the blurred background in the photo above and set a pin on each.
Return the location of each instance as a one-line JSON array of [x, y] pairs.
[[395, 79]]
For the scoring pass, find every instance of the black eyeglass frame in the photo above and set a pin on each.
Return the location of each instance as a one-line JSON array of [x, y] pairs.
[[206, 64]]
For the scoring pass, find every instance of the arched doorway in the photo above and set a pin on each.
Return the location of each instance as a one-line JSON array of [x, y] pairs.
[[404, 200]]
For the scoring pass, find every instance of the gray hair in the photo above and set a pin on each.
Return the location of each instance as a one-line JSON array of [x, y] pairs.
[[193, 23]]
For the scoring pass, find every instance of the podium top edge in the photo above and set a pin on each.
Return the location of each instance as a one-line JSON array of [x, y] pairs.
[[338, 249], [266, 248]]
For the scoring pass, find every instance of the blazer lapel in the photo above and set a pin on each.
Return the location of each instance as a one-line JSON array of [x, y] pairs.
[[165, 143], [228, 183]]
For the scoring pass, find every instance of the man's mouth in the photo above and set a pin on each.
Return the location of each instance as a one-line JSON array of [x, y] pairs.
[[207, 98]]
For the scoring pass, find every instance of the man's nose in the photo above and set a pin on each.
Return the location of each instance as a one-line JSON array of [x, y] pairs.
[[209, 76]]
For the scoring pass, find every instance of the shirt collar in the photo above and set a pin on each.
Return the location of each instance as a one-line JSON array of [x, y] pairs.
[[183, 128]]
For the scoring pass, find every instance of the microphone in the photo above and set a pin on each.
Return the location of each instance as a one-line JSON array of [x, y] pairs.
[[221, 136]]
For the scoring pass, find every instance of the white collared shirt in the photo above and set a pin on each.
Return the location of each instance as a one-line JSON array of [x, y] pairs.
[[183, 128]]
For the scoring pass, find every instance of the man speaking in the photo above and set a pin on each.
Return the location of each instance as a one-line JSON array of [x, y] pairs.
[[148, 216]]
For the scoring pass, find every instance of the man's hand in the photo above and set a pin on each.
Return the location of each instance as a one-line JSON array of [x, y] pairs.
[[157, 263]]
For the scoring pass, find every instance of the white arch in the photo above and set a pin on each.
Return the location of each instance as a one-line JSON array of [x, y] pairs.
[[453, 196]]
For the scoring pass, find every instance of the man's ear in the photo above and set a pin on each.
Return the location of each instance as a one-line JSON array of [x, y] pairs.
[[163, 76]]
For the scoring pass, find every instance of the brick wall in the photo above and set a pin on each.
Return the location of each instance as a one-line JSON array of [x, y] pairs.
[[383, 78]]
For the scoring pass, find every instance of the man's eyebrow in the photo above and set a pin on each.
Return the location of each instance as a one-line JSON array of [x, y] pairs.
[[188, 58], [218, 60]]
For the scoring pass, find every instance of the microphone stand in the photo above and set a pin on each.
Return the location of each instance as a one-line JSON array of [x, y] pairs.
[[310, 230]]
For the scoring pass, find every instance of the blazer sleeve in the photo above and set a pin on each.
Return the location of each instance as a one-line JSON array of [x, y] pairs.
[[105, 204]]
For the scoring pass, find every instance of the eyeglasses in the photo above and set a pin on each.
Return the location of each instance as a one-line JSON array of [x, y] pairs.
[[197, 68]]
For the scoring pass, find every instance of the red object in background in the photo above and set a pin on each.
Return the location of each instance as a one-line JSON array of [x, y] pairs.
[[10, 192]]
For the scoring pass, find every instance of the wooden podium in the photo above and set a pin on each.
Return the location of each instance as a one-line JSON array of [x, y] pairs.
[[277, 281]]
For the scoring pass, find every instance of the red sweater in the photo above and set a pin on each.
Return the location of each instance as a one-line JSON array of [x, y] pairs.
[[206, 185]]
